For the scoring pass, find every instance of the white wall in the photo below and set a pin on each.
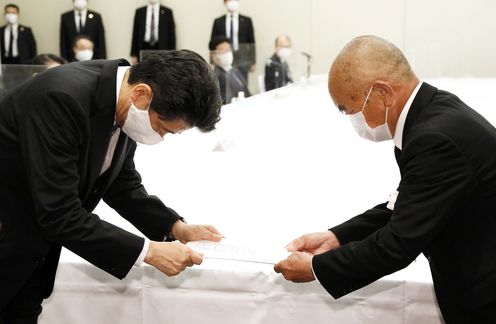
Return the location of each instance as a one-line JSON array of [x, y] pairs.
[[441, 38]]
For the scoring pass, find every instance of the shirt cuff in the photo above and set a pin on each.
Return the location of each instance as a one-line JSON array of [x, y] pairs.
[[314, 275], [141, 257]]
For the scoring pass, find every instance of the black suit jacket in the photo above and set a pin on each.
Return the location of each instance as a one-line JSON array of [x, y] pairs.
[[231, 83], [54, 133], [446, 209], [246, 56], [277, 73], [26, 44], [93, 28], [166, 30]]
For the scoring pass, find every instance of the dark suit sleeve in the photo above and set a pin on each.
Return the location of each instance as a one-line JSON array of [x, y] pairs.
[[269, 78], [102, 48], [171, 39], [50, 137], [436, 182], [135, 40], [32, 45], [63, 39], [129, 198], [361, 226], [217, 28], [251, 41]]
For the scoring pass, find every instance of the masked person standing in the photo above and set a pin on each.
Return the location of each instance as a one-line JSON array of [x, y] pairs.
[[17, 43], [67, 140], [82, 21]]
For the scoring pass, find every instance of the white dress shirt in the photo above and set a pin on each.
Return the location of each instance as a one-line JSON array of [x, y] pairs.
[[121, 71], [15, 32], [83, 12], [235, 17], [398, 133], [156, 9]]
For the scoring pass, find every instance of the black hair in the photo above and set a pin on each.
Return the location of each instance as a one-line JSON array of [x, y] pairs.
[[11, 5], [184, 87], [44, 59], [79, 37], [216, 40]]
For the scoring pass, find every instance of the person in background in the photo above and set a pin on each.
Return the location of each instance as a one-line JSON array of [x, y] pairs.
[[82, 21], [83, 48], [277, 73], [17, 43], [153, 29], [49, 60], [231, 81], [239, 31]]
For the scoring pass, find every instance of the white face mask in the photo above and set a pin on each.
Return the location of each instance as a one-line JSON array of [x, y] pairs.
[[80, 4], [376, 134], [84, 55], [283, 53], [226, 60], [139, 128], [232, 5], [11, 18]]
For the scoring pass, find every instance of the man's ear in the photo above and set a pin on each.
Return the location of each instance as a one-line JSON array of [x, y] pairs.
[[386, 92], [141, 93]]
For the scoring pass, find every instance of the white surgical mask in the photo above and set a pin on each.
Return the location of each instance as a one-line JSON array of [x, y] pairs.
[[11, 18], [80, 4], [84, 55], [226, 60], [283, 53], [232, 5], [139, 127], [376, 134]]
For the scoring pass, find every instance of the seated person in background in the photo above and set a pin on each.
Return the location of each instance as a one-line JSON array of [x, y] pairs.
[[83, 48], [50, 60], [277, 73], [231, 80], [17, 43]]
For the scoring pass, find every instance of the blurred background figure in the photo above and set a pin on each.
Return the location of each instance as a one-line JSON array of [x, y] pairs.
[[83, 48], [277, 72], [49, 60], [231, 81], [17, 42], [82, 21], [241, 36], [153, 29]]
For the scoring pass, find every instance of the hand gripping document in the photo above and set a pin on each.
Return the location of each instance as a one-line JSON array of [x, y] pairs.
[[227, 251]]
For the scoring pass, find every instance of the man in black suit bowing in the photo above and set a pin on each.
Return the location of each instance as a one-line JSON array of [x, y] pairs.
[[82, 21], [239, 30], [445, 206], [67, 140], [17, 43], [153, 29]]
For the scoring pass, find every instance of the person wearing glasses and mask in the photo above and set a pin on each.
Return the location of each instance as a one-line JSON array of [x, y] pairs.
[[81, 21], [277, 72], [445, 204], [68, 137], [231, 81], [17, 43]]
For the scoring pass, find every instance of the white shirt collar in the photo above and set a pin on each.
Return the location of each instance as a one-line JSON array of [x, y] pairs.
[[121, 71], [398, 133]]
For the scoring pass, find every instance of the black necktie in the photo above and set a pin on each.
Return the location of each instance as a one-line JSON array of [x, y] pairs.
[[11, 43], [80, 27], [153, 40], [231, 37]]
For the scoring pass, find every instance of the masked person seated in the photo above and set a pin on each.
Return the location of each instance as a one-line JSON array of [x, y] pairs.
[[83, 48], [231, 81], [277, 72]]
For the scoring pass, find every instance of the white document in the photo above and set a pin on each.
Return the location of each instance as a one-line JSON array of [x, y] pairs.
[[226, 251]]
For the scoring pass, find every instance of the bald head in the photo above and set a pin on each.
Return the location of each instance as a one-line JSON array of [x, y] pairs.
[[364, 60]]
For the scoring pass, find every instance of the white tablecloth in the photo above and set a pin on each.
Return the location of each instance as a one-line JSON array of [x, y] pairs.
[[280, 164]]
